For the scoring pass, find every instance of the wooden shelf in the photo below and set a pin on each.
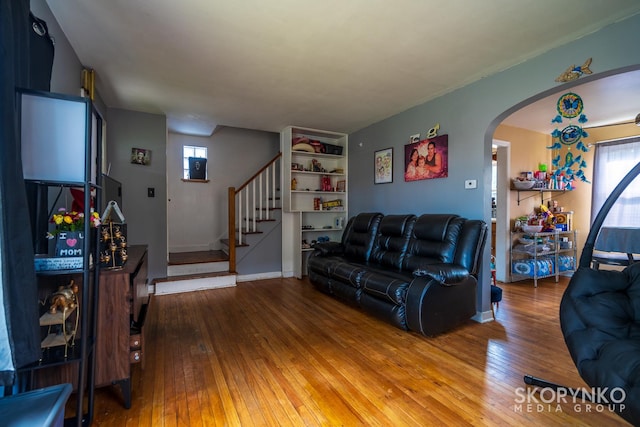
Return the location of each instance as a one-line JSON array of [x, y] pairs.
[[319, 155], [540, 191], [317, 173], [304, 230], [54, 340], [58, 318]]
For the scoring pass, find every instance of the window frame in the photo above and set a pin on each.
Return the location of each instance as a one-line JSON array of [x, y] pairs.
[[196, 151]]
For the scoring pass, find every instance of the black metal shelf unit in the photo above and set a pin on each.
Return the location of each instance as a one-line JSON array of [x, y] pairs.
[[61, 150]]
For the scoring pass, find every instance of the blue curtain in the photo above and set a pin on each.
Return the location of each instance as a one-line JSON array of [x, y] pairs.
[[19, 329]]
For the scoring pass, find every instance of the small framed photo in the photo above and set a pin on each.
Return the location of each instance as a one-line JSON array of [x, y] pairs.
[[383, 164], [341, 186], [140, 156]]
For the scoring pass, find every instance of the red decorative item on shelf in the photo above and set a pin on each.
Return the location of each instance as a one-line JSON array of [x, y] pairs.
[[325, 183]]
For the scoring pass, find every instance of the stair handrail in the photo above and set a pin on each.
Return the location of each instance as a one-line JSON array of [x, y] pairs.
[[232, 193], [255, 175]]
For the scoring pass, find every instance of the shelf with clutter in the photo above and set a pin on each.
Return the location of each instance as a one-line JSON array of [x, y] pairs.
[[543, 244], [540, 182]]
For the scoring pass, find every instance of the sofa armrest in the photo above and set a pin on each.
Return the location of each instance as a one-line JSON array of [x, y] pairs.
[[444, 273], [433, 307], [328, 249]]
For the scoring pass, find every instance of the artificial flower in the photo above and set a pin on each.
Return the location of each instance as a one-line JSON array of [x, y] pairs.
[[71, 221]]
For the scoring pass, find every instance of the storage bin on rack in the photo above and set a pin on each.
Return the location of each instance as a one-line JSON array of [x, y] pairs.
[[544, 266]]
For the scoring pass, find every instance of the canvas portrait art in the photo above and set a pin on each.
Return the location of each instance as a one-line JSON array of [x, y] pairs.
[[427, 159], [140, 156]]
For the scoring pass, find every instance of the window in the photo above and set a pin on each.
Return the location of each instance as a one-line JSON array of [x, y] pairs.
[[191, 151], [613, 160]]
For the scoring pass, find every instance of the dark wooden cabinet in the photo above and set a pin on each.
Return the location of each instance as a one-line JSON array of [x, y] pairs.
[[122, 306]]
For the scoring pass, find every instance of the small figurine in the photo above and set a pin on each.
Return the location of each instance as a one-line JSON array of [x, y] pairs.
[[574, 72], [65, 298]]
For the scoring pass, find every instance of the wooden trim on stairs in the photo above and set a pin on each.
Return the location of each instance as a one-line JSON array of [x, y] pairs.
[[231, 227], [259, 172]]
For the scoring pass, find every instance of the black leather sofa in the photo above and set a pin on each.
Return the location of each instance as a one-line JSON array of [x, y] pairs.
[[417, 273]]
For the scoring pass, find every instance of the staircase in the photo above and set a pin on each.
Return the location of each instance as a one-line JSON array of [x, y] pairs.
[[254, 216]]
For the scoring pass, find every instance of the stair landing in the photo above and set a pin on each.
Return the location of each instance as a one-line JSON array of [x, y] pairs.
[[179, 258], [195, 271]]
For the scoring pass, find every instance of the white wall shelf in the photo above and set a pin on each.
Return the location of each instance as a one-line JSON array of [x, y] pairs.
[[302, 220]]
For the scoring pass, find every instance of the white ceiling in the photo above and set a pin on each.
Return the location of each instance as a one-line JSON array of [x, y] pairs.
[[331, 64]]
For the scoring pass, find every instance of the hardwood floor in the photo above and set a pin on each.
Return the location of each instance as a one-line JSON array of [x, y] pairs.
[[279, 353]]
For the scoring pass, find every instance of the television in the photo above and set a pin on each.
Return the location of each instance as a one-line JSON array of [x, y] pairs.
[[111, 190]]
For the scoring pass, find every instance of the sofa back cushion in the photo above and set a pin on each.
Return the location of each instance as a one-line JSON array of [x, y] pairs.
[[433, 241], [471, 244], [359, 236], [392, 240]]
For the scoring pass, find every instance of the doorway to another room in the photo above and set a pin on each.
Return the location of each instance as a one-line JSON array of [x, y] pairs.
[[500, 172]]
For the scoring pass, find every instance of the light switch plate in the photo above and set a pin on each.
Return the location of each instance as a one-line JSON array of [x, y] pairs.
[[470, 184]]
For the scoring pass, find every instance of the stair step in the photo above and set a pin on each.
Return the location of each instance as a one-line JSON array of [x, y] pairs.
[[226, 242], [196, 257], [193, 282], [261, 220], [174, 270]]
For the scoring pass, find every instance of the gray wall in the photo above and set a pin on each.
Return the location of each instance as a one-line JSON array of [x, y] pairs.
[[146, 216], [234, 155], [469, 116]]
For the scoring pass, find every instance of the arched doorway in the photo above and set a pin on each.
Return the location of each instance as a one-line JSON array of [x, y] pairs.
[[625, 77]]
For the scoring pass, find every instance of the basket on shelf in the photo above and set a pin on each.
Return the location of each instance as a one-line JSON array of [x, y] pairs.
[[523, 185]]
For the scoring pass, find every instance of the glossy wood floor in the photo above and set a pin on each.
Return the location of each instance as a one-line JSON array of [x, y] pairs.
[[279, 353]]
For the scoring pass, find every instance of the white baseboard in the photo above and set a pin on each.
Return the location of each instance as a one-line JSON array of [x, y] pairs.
[[195, 284], [259, 276], [199, 268], [483, 316]]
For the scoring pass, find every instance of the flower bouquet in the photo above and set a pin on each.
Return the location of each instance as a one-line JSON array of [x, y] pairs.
[[69, 231]]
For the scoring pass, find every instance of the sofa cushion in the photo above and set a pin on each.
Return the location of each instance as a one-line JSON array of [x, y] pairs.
[[359, 235], [471, 244], [392, 240], [433, 241], [337, 268], [432, 247], [385, 285]]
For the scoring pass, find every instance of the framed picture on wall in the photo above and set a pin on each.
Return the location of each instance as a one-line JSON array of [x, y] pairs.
[[140, 156], [383, 164], [427, 159]]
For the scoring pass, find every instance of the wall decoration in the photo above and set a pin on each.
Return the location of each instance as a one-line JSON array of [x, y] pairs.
[[433, 132], [427, 159], [198, 168], [140, 156], [414, 138], [569, 106], [383, 163], [574, 72]]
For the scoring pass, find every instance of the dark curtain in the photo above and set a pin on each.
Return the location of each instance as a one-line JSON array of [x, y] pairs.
[[19, 290]]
